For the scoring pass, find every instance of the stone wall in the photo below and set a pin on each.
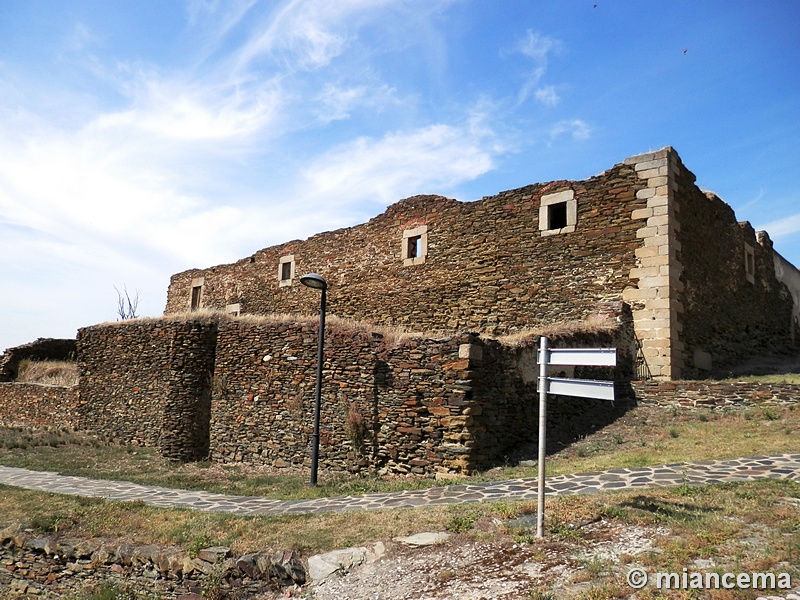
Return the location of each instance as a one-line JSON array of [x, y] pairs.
[[148, 382], [34, 405], [41, 349], [242, 390], [789, 275], [716, 394], [489, 266], [703, 288], [384, 405], [733, 305], [420, 405]]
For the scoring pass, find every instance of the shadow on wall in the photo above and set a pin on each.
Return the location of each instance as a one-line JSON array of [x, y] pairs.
[[507, 383], [382, 378]]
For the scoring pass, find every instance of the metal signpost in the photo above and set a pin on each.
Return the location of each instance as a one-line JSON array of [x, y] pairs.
[[582, 388]]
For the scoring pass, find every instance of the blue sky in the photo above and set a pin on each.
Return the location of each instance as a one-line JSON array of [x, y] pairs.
[[140, 138]]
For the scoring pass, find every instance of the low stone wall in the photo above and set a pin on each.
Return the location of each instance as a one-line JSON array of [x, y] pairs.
[[384, 406], [148, 383], [455, 404], [41, 349], [35, 405], [242, 390], [54, 565], [716, 394]]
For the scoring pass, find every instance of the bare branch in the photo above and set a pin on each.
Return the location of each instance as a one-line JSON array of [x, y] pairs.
[[127, 306]]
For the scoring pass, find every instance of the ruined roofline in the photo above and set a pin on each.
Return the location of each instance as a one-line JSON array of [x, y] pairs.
[[428, 199]]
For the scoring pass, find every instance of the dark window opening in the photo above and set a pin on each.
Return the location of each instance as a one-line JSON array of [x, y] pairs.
[[414, 246], [286, 271], [196, 292], [751, 268], [557, 216]]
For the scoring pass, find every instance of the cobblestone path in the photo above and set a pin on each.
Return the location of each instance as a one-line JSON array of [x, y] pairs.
[[782, 466]]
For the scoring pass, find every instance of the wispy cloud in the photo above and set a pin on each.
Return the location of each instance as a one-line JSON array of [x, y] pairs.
[[400, 164], [575, 128], [190, 111], [547, 95], [537, 47], [307, 34], [336, 103], [786, 226]]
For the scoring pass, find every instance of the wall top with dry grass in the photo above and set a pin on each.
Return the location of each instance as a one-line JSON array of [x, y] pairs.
[[42, 349]]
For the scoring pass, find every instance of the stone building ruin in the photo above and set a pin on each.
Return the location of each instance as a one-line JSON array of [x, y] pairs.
[[637, 258], [705, 291]]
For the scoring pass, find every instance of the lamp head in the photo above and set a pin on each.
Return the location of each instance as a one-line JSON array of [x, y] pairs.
[[315, 281]]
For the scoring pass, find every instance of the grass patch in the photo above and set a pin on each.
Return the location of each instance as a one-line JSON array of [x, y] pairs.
[[143, 524], [648, 436], [644, 436], [743, 526], [793, 378], [48, 372]]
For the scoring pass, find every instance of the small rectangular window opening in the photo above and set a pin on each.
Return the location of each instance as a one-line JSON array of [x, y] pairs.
[[558, 213], [197, 290], [286, 271], [557, 216], [749, 263], [414, 246]]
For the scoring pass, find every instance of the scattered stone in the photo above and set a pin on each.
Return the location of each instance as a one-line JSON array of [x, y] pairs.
[[287, 568], [323, 566], [522, 522], [423, 539], [214, 554], [704, 563]]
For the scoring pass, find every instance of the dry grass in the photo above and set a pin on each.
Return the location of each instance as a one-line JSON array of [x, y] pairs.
[[652, 435], [393, 334], [556, 330], [90, 517], [647, 435], [48, 372]]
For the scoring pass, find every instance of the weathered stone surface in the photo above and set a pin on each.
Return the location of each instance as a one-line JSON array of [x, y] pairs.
[[214, 554], [323, 566], [287, 568], [35, 567], [33, 405], [427, 538]]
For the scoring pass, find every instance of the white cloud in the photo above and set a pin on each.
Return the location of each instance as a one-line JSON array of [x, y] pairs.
[[308, 34], [786, 226], [536, 47], [576, 128], [548, 95], [400, 164], [196, 111], [337, 102]]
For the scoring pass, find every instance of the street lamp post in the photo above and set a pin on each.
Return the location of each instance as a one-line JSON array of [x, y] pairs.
[[317, 282]]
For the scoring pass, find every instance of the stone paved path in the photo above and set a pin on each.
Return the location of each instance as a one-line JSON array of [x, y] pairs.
[[781, 466]]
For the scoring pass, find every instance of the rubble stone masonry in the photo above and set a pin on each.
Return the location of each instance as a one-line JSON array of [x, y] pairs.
[[242, 390], [485, 266], [702, 287]]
